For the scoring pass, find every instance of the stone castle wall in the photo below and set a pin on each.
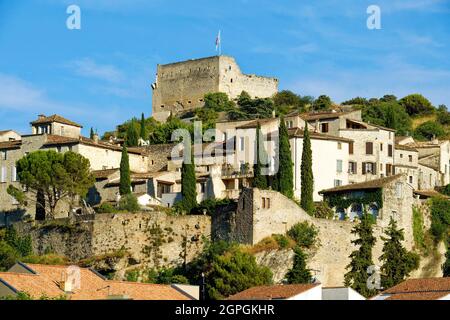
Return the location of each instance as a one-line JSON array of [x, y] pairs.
[[150, 240], [181, 86]]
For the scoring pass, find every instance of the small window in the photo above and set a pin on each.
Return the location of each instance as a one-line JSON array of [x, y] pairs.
[[390, 150], [339, 166], [4, 155], [231, 80], [352, 167], [3, 174], [369, 147], [411, 179], [401, 155], [339, 145], [203, 187], [337, 183], [410, 157], [13, 174], [324, 127], [350, 148], [242, 143], [381, 146]]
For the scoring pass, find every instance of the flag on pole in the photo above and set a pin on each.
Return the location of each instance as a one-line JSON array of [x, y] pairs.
[[218, 43]]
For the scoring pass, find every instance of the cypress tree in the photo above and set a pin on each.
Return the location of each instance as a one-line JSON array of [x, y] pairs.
[[446, 265], [125, 179], [259, 180], [361, 259], [188, 185], [397, 261], [132, 138], [92, 134], [306, 175], [299, 272], [285, 170], [143, 131]]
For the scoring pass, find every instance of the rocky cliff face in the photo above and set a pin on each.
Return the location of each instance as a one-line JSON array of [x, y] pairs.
[[278, 261]]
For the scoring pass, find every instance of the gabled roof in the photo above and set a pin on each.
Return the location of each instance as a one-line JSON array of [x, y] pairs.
[[419, 289], [298, 133], [273, 292], [61, 140], [55, 118], [311, 116], [372, 184], [254, 123], [10, 144], [405, 148], [47, 278], [104, 174]]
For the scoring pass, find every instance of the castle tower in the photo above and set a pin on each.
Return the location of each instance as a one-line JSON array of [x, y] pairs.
[[181, 86]]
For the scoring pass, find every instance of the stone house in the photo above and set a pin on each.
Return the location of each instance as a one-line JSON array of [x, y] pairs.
[[9, 135], [383, 198], [406, 160], [433, 154], [58, 134], [330, 159]]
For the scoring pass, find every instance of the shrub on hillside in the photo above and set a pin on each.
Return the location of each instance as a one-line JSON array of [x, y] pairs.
[[429, 130], [129, 203], [416, 104], [304, 234]]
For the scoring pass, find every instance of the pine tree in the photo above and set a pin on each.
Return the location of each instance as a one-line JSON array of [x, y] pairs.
[[125, 179], [285, 170], [188, 186], [91, 136], [143, 134], [446, 265], [132, 137], [259, 180], [299, 272], [306, 175], [397, 261], [361, 259]]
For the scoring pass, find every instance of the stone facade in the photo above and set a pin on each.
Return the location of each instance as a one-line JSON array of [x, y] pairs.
[[181, 86]]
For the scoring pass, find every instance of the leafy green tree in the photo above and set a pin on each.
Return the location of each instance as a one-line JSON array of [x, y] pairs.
[[440, 217], [304, 234], [129, 203], [388, 114], [92, 133], [361, 259], [285, 169], [249, 108], [428, 130], [443, 116], [162, 134], [132, 137], [8, 256], [285, 101], [233, 272], [259, 180], [322, 103], [125, 178], [397, 261], [416, 104], [218, 102], [54, 175], [356, 101], [143, 133], [388, 98], [299, 272], [188, 185], [22, 245], [306, 175]]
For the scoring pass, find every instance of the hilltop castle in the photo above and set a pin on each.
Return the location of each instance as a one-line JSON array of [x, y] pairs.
[[181, 86]]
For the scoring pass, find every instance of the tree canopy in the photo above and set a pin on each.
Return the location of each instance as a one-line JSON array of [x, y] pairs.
[[416, 104], [54, 175]]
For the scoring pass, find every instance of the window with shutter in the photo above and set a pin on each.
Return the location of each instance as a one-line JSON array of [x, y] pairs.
[[390, 150], [369, 148], [350, 148]]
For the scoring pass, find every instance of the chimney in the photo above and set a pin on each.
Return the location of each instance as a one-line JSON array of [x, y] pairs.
[[65, 285]]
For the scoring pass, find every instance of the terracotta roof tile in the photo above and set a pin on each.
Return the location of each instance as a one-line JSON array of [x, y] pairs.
[[103, 174], [92, 286], [405, 148], [420, 289], [56, 118], [298, 132], [272, 292], [10, 144], [372, 184]]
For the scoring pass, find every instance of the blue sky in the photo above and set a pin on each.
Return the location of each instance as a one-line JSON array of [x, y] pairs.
[[100, 75]]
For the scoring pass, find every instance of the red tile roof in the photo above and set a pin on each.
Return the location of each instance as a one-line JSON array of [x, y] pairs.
[[273, 292], [47, 280], [419, 289], [55, 118], [10, 144]]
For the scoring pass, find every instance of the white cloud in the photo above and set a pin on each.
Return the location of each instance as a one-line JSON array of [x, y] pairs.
[[87, 67]]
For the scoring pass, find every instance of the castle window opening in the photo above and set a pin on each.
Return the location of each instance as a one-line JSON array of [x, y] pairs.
[[231, 80]]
